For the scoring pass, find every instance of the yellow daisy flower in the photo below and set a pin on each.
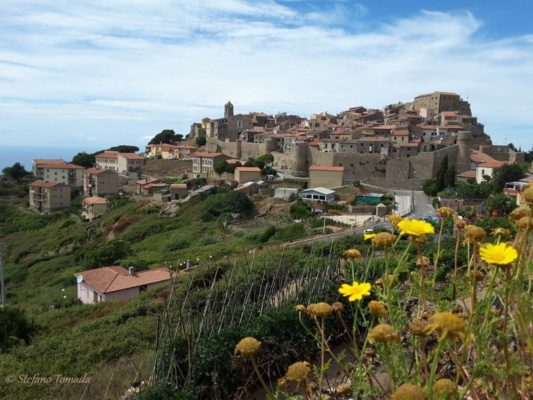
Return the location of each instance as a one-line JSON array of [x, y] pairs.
[[415, 227], [498, 254], [355, 291], [368, 236]]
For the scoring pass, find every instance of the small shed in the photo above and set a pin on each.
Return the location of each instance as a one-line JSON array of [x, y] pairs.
[[318, 194]]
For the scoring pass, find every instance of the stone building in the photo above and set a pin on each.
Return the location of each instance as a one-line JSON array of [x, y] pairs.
[[247, 174], [95, 206], [100, 182], [326, 176], [47, 196], [431, 104], [203, 162]]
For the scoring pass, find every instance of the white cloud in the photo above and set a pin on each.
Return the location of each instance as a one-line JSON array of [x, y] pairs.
[[144, 63]]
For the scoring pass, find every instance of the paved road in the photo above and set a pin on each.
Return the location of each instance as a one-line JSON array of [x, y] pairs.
[[422, 208]]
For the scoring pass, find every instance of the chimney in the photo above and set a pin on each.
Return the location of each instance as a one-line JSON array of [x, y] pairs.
[[131, 271]]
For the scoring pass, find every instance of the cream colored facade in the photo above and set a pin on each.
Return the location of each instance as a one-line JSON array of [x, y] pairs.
[[247, 174], [119, 162], [58, 171], [326, 176], [100, 182], [204, 162], [47, 196]]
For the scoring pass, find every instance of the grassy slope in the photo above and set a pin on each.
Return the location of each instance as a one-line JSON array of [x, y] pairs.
[[76, 339]]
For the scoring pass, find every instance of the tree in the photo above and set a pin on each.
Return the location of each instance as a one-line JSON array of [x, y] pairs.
[[507, 173], [124, 148], [220, 166], [84, 159], [14, 328], [500, 203], [440, 178], [473, 191], [430, 187], [201, 141], [300, 210], [224, 203], [167, 136], [266, 158], [17, 172]]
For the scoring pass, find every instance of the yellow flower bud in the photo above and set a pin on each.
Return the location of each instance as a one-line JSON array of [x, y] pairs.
[[383, 333], [248, 347]]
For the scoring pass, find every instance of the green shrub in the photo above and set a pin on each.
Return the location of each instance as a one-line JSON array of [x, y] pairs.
[[14, 328], [289, 232], [177, 244], [300, 210], [225, 203], [267, 234], [103, 254]]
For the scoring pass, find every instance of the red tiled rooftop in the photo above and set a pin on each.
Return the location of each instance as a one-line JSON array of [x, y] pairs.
[[248, 169], [45, 184], [178, 186], [116, 278], [471, 173], [96, 171], [108, 155], [325, 168], [132, 156], [51, 164], [95, 200]]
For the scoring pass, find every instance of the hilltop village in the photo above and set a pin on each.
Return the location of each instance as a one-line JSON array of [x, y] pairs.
[[141, 265], [399, 147]]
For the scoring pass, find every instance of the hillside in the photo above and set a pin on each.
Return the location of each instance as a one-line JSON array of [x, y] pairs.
[[44, 251]]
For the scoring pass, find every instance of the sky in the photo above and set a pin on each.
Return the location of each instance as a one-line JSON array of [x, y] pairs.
[[98, 73]]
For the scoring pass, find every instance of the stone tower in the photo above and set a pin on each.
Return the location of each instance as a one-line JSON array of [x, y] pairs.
[[464, 147], [228, 110]]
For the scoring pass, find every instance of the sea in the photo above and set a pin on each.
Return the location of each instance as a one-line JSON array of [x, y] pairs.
[[25, 154]]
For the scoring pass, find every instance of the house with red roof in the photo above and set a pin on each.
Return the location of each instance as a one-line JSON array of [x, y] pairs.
[[47, 196], [119, 162], [100, 182], [95, 206], [117, 283], [58, 171]]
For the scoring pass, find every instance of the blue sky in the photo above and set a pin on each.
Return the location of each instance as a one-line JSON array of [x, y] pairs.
[[99, 73]]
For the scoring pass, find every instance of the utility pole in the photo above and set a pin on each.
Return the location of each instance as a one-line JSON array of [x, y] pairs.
[[2, 286]]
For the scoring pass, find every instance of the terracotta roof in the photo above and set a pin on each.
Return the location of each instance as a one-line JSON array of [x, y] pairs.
[[95, 200], [178, 186], [108, 154], [325, 168], [131, 156], [116, 278], [467, 174], [449, 113], [235, 161], [96, 171], [492, 164], [51, 164], [147, 180], [205, 154], [155, 185], [45, 184], [248, 169], [401, 132], [479, 157]]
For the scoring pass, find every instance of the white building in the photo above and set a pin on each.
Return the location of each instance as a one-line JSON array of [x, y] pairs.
[[318, 194], [116, 283]]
